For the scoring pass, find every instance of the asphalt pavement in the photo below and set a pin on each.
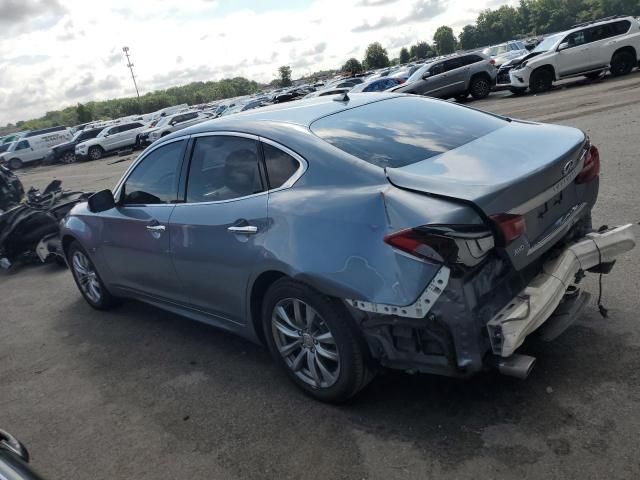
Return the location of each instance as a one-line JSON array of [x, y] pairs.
[[138, 393]]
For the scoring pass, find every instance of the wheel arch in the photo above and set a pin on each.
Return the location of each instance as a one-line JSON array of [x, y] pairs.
[[627, 48], [256, 298], [550, 68]]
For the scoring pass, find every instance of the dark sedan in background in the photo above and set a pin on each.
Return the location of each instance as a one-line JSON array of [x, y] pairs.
[[66, 152], [356, 232]]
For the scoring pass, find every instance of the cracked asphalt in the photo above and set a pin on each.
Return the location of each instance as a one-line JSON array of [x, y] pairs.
[[140, 393]]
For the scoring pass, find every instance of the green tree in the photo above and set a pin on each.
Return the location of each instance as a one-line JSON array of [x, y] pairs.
[[352, 66], [421, 50], [285, 75], [468, 37], [83, 113], [404, 55], [444, 40], [376, 56]]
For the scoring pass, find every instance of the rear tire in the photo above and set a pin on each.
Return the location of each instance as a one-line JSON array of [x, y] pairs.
[[68, 157], [541, 81], [87, 278], [95, 153], [622, 63], [480, 87], [314, 339], [15, 163]]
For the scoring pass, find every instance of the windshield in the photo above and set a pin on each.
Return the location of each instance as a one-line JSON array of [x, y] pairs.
[[547, 43], [12, 147], [417, 75], [163, 121]]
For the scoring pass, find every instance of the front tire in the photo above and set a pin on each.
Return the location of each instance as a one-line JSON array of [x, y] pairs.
[[68, 157], [622, 63], [95, 153], [15, 163], [541, 81], [313, 338], [480, 87], [87, 278]]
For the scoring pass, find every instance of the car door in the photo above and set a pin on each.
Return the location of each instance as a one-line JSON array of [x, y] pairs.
[[435, 81], [111, 138], [135, 238], [456, 71], [217, 234], [26, 151], [575, 56], [601, 45]]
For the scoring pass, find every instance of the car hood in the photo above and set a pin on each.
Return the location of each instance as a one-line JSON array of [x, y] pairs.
[[497, 171], [65, 145], [517, 61]]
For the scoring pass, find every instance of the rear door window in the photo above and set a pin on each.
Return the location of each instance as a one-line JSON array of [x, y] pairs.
[[621, 27], [452, 64], [404, 130], [223, 168]]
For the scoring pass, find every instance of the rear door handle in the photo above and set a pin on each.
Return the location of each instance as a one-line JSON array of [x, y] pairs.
[[156, 228], [247, 230]]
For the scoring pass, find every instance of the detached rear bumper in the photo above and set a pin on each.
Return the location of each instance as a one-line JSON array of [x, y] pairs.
[[539, 300]]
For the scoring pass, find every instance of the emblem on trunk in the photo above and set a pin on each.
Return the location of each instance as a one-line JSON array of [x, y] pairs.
[[570, 165]]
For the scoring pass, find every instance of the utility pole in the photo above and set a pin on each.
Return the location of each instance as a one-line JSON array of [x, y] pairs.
[[130, 65]]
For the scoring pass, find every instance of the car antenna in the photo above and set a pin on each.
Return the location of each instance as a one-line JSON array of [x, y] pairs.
[[343, 98]]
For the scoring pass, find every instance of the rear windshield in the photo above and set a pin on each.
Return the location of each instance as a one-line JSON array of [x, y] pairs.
[[404, 130]]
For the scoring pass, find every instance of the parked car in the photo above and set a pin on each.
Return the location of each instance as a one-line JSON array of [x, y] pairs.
[[455, 76], [587, 50], [506, 51], [13, 137], [110, 139], [350, 234], [377, 85], [328, 91], [14, 459], [34, 146], [169, 124], [65, 152]]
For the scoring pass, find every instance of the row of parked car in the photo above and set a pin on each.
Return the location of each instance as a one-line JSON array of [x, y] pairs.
[[589, 49]]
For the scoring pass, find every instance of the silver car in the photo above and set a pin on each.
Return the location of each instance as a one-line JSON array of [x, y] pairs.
[[506, 51], [456, 76], [354, 233]]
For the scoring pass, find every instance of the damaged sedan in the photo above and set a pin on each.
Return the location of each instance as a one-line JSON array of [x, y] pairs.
[[353, 233]]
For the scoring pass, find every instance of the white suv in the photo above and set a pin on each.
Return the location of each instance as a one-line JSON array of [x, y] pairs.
[[111, 138], [587, 49]]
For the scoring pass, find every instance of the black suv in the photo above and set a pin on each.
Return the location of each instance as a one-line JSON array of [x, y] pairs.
[[66, 152]]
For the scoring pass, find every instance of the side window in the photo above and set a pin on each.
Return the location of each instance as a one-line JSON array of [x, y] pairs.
[[177, 119], [471, 59], [113, 130], [600, 33], [22, 145], [620, 27], [576, 39], [280, 165], [452, 64], [223, 168], [189, 116], [155, 179], [437, 69]]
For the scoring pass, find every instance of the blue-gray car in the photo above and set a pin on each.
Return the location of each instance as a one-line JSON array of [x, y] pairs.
[[352, 233]]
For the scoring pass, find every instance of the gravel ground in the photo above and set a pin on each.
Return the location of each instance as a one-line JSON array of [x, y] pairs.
[[140, 393]]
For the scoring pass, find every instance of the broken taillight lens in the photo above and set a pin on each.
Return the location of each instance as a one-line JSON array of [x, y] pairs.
[[465, 244], [510, 225], [591, 167]]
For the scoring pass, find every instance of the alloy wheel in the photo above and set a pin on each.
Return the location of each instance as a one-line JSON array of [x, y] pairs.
[[95, 154], [87, 276], [68, 158], [305, 342]]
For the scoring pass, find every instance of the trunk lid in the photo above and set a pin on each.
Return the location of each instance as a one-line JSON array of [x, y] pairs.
[[523, 168]]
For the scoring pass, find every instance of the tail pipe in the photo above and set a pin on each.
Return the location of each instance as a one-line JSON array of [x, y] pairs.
[[516, 365]]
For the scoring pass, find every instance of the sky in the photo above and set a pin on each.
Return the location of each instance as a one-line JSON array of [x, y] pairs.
[[56, 53]]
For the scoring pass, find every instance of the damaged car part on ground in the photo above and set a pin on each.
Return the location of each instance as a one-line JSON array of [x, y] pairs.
[[14, 459], [29, 229], [354, 232]]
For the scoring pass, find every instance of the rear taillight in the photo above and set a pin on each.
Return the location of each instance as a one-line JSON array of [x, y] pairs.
[[511, 226], [465, 244], [591, 168]]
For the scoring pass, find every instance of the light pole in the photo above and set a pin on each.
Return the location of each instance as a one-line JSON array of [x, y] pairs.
[[130, 65]]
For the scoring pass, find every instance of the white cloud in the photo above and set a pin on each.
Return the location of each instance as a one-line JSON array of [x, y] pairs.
[[55, 53]]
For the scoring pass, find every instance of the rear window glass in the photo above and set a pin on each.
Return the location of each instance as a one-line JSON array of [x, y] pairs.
[[404, 130]]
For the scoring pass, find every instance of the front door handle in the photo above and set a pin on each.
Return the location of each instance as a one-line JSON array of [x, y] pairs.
[[156, 228], [247, 230]]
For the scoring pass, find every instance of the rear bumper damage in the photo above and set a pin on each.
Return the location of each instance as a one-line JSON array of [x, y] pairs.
[[543, 296], [462, 323]]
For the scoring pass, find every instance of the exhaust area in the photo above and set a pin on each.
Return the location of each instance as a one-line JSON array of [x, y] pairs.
[[516, 365]]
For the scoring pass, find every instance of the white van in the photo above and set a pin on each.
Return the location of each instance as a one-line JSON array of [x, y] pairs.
[[33, 147]]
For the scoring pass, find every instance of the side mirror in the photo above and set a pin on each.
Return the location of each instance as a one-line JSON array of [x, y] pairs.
[[563, 46], [426, 75], [101, 201]]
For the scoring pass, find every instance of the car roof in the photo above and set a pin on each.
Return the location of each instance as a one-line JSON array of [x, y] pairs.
[[301, 113]]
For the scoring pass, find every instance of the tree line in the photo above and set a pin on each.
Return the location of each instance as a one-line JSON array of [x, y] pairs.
[[529, 18]]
